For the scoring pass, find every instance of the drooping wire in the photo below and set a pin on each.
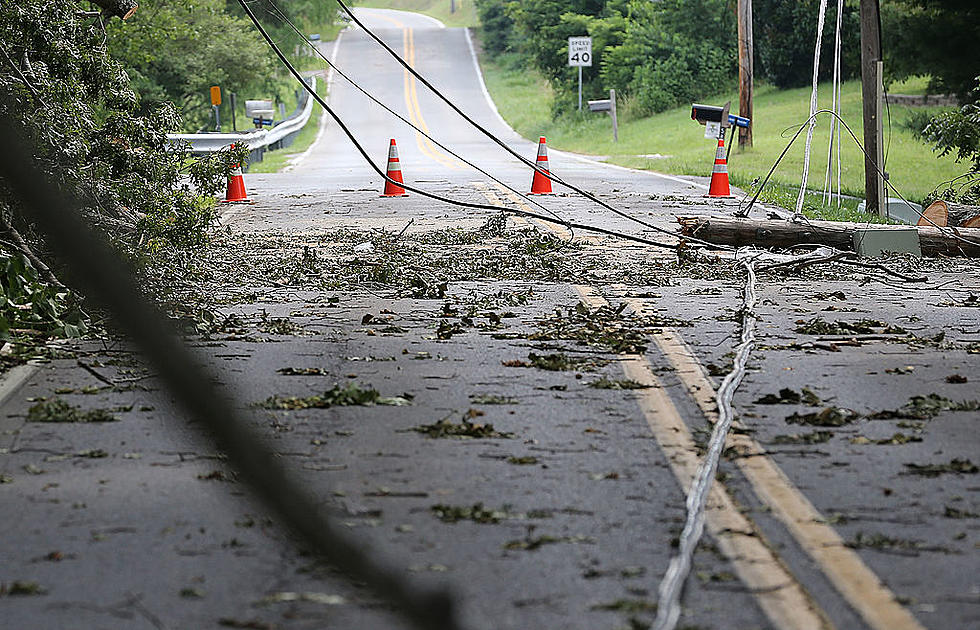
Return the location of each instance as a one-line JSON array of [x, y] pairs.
[[282, 16], [465, 204], [551, 176], [811, 123]]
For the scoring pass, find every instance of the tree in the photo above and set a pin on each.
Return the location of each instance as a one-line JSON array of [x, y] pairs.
[[933, 37], [959, 131], [785, 32], [174, 50]]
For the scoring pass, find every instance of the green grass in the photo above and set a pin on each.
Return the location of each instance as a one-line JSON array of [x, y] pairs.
[[524, 100], [275, 161], [465, 14], [911, 85]]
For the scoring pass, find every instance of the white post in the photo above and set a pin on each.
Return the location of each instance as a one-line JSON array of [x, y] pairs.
[[612, 112], [580, 88]]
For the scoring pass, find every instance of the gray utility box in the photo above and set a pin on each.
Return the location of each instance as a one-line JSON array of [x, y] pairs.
[[878, 241], [898, 210]]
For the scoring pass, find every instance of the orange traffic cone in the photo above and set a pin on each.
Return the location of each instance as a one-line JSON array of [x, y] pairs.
[[395, 173], [541, 185], [719, 174], [236, 185]]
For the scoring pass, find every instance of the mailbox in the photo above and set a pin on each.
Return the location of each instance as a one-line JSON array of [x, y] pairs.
[[706, 113], [711, 113], [604, 105]]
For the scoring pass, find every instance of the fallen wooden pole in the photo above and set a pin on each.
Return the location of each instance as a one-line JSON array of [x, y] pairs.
[[783, 234]]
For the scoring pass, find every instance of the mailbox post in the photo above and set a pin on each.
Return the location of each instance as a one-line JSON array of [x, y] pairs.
[[607, 105]]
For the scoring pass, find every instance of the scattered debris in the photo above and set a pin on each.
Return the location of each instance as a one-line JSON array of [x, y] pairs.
[[621, 383], [951, 512], [956, 379], [492, 399], [788, 396], [307, 371], [525, 460], [316, 598], [955, 466], [925, 408], [828, 417], [57, 410], [533, 543], [337, 396], [627, 606], [900, 546], [814, 437], [476, 513], [558, 362], [897, 438], [445, 428], [22, 588], [818, 326], [604, 327]]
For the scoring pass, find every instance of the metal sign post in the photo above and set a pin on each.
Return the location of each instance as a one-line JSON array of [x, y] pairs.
[[580, 55]]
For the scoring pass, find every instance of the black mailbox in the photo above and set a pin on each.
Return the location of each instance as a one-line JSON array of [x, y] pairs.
[[710, 113]]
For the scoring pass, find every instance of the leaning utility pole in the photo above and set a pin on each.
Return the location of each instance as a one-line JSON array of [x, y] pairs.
[[745, 52], [871, 91]]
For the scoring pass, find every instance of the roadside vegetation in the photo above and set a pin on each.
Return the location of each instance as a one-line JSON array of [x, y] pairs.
[[660, 57], [96, 96], [670, 142]]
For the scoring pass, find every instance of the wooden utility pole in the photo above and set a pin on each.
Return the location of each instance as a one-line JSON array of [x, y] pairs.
[[745, 53], [871, 68]]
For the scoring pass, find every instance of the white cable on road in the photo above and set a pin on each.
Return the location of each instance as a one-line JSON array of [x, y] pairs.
[[813, 106], [669, 607]]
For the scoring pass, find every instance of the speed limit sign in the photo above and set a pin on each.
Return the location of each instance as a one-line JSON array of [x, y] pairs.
[[580, 51]]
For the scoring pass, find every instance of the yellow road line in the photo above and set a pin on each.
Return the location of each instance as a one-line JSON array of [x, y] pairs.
[[415, 110], [857, 583], [783, 599]]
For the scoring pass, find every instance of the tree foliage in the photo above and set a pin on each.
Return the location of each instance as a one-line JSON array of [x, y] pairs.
[[174, 50], [936, 38], [785, 33], [959, 132], [92, 136]]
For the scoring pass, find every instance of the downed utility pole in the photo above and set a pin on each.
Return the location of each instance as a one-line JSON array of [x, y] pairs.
[[784, 234]]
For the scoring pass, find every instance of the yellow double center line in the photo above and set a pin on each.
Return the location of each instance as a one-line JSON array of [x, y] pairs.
[[425, 145], [415, 110], [782, 597]]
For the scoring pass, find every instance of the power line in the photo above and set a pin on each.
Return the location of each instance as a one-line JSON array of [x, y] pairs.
[[424, 193]]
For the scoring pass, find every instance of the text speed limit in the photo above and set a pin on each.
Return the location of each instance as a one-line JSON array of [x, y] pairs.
[[580, 51]]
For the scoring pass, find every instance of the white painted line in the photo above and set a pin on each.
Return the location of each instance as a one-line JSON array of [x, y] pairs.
[[437, 23], [15, 378], [331, 75], [483, 84]]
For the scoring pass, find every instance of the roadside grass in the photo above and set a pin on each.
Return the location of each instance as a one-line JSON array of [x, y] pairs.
[[671, 142], [275, 161], [465, 14]]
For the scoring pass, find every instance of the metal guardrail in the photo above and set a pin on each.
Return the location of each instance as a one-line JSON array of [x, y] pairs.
[[258, 140]]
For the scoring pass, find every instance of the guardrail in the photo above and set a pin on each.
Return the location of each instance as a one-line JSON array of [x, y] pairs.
[[258, 140]]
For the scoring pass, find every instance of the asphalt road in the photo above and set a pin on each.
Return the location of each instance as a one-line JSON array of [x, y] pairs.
[[845, 503]]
